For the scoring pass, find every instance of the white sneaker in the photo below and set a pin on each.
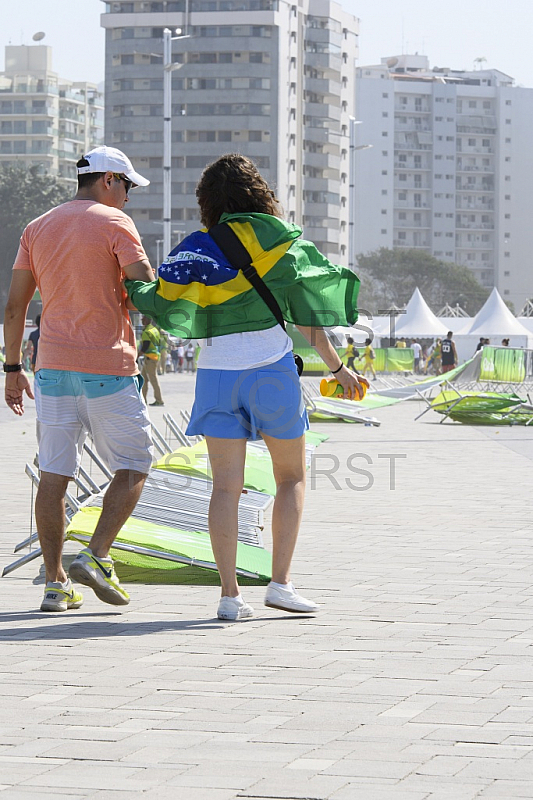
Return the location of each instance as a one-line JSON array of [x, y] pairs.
[[234, 608], [60, 597], [285, 598]]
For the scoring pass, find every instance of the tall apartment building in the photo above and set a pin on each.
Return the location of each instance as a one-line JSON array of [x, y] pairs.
[[450, 170], [46, 121], [271, 79]]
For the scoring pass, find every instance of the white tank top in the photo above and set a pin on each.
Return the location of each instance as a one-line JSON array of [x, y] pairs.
[[244, 350]]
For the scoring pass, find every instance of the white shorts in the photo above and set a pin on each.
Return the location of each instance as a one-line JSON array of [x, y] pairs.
[[109, 408]]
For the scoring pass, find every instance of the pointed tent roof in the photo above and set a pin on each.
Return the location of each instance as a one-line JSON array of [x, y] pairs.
[[496, 319], [419, 319]]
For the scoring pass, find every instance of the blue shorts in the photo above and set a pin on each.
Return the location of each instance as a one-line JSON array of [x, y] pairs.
[[242, 404]]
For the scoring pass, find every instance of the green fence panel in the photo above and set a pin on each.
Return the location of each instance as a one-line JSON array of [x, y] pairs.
[[506, 364], [399, 359]]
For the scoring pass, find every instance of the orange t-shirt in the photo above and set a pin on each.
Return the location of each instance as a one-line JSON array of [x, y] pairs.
[[76, 253]]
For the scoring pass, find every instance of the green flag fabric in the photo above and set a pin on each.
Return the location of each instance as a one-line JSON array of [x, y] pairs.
[[199, 294]]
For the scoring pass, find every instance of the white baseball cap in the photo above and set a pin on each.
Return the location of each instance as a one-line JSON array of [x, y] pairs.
[[109, 159]]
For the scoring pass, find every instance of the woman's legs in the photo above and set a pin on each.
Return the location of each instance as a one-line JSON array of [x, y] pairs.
[[227, 457], [288, 461]]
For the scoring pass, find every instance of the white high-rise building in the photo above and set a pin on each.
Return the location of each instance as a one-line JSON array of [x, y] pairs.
[[450, 170], [46, 121], [271, 79]]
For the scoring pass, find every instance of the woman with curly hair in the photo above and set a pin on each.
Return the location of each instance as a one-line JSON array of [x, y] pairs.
[[247, 384]]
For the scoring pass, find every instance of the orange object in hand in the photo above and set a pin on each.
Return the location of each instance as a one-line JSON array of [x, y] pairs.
[[330, 387]]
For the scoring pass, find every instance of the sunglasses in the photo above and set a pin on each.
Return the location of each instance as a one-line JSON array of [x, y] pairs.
[[127, 183]]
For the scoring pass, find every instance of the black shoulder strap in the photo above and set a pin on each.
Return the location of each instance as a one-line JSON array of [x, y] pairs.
[[239, 257]]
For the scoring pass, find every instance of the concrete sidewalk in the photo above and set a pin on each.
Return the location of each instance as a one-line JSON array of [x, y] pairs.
[[415, 681]]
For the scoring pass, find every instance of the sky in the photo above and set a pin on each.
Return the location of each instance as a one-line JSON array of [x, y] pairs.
[[451, 33]]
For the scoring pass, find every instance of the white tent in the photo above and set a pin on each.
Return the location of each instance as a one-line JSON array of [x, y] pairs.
[[495, 319], [419, 321]]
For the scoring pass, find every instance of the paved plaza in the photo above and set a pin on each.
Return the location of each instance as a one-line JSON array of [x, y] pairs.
[[415, 681]]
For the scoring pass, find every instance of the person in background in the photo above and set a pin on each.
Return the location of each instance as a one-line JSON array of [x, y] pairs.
[[174, 357], [401, 343], [369, 356], [449, 353], [27, 353], [417, 349], [189, 357], [505, 342], [433, 362], [481, 344], [181, 355], [86, 379], [351, 353], [34, 339], [149, 348], [163, 353]]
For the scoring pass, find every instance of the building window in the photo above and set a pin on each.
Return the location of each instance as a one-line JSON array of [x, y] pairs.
[[384, 230]]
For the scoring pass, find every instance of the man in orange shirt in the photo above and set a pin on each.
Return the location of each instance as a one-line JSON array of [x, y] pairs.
[[86, 378]]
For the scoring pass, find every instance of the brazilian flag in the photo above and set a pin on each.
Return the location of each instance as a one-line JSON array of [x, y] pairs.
[[199, 294]]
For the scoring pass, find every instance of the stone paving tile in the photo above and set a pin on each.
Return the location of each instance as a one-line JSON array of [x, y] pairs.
[[414, 683]]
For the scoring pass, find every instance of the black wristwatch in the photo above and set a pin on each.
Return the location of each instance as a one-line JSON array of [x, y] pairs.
[[12, 367]]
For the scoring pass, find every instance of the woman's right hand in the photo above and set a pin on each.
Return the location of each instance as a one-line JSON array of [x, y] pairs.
[[354, 385]]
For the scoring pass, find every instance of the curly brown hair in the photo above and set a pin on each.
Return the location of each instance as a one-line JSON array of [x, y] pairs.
[[231, 184]]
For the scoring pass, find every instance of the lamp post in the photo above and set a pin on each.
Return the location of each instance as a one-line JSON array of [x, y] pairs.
[[168, 68], [351, 192]]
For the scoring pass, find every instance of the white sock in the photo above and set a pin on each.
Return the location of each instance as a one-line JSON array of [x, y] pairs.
[[281, 585]]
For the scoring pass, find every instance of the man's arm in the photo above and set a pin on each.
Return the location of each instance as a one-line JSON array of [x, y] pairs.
[[21, 292], [139, 271]]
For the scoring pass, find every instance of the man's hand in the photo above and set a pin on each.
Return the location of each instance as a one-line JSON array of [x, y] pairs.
[[352, 384], [16, 384]]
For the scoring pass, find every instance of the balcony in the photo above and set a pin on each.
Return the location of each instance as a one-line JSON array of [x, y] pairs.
[[407, 165], [476, 226], [490, 170], [410, 204], [411, 245], [461, 205]]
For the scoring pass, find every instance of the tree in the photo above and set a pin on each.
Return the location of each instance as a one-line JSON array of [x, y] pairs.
[[24, 195], [391, 276]]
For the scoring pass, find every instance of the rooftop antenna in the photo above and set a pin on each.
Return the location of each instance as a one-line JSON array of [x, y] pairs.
[[479, 62], [39, 36], [403, 36]]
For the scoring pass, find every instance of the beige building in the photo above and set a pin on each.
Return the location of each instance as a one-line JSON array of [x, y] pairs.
[[45, 121], [451, 168], [271, 79]]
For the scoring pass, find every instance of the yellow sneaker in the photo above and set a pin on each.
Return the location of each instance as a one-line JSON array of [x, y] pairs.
[[60, 597], [99, 574]]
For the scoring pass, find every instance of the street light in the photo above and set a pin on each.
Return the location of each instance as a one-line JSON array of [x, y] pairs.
[[168, 68], [351, 191], [159, 242]]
